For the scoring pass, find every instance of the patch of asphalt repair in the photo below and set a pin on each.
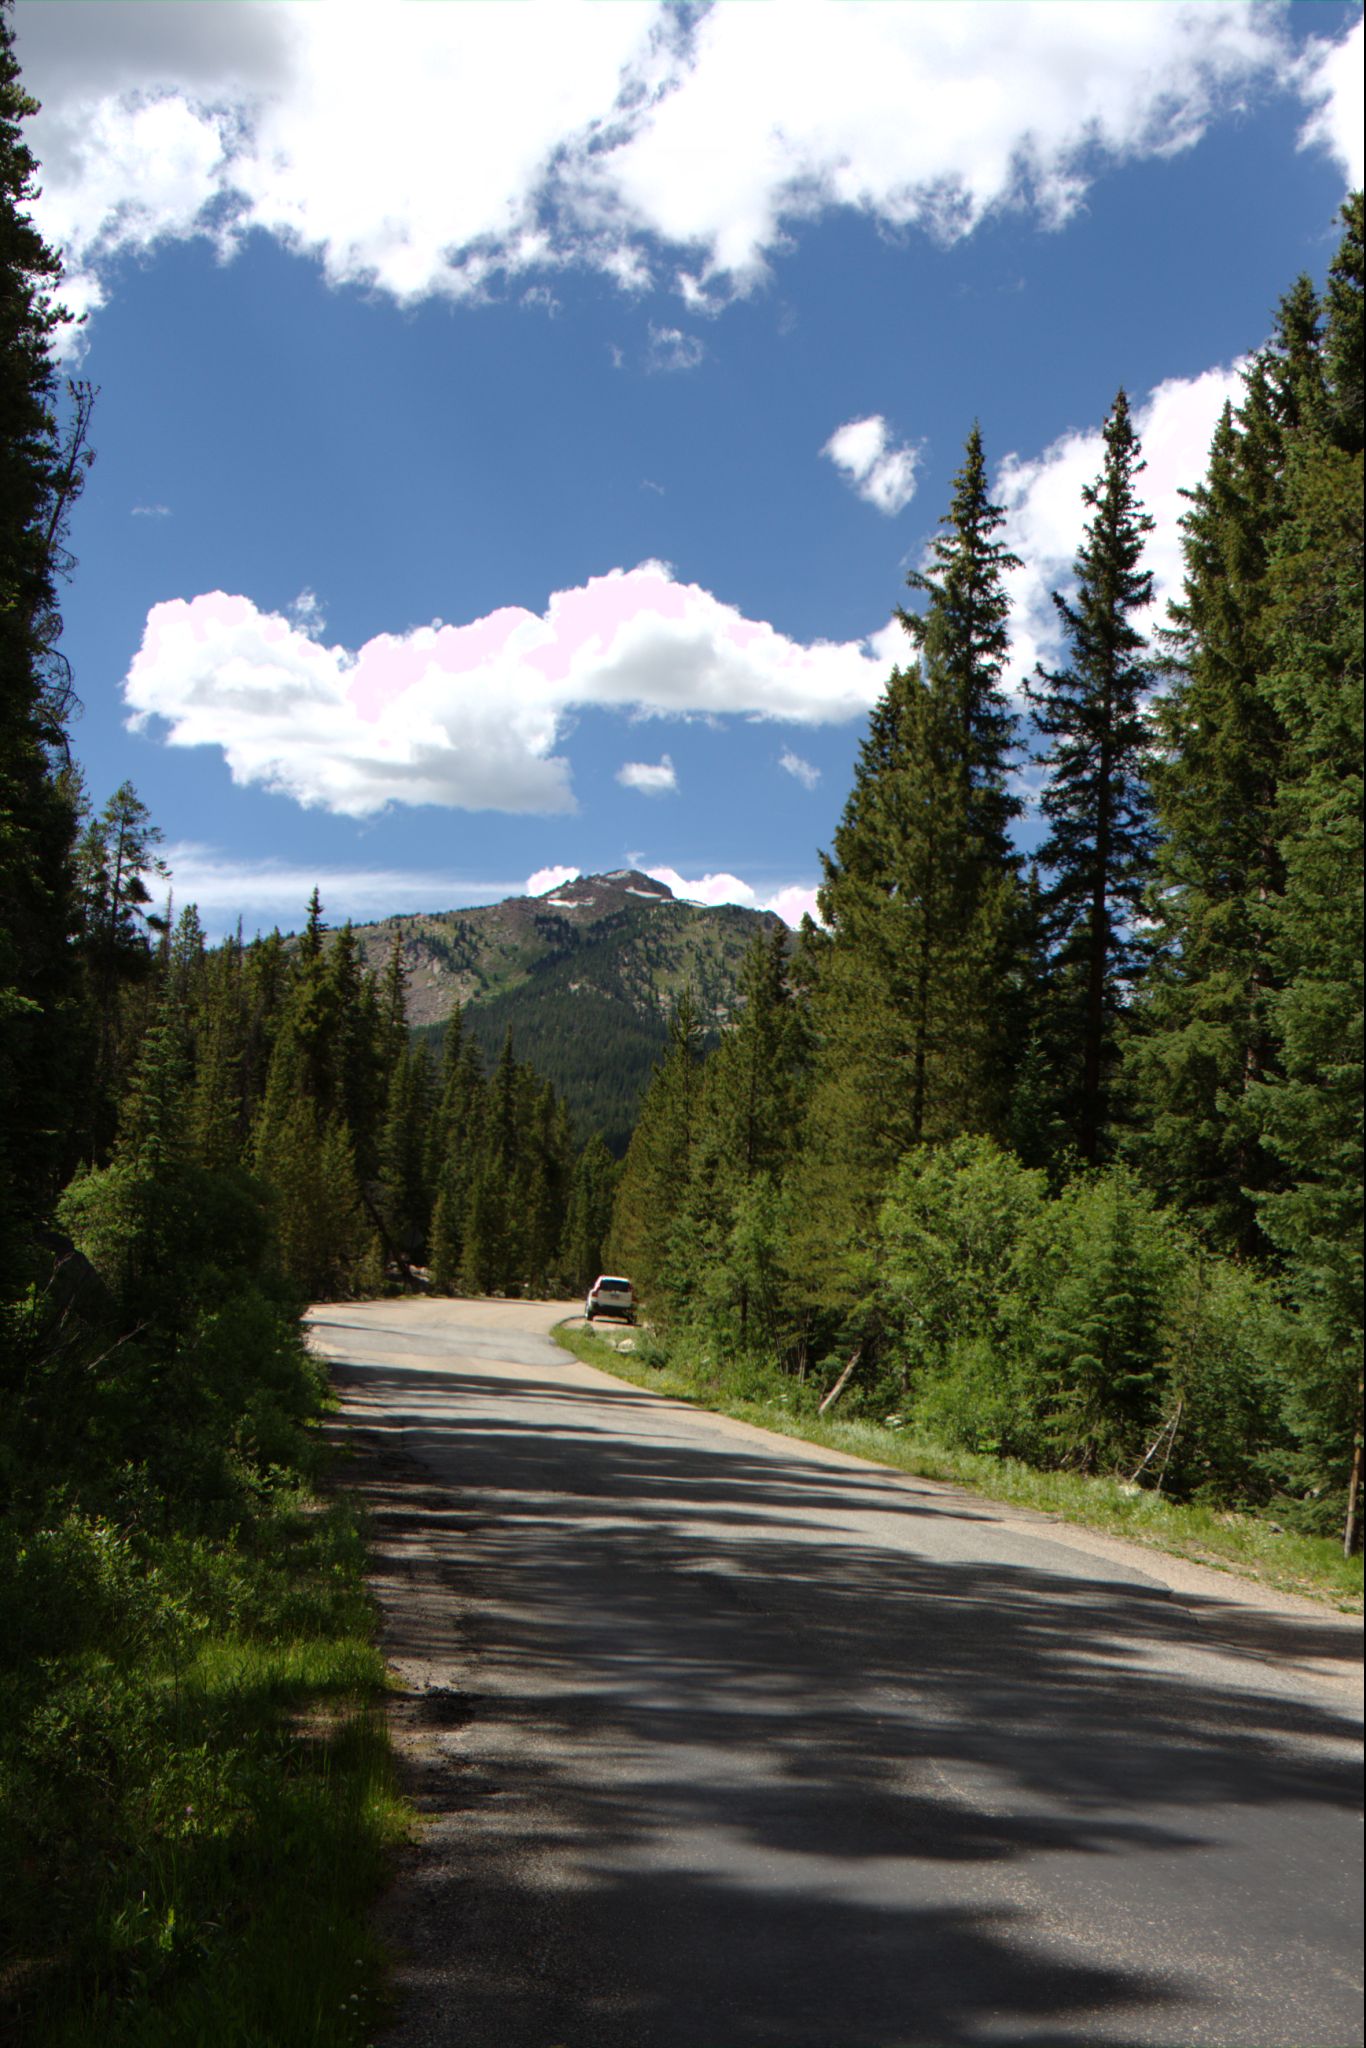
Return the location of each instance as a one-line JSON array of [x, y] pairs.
[[723, 1740]]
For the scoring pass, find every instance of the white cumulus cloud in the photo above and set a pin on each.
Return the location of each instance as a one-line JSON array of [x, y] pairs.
[[472, 715], [637, 139], [1330, 79], [791, 902], [651, 778], [882, 474], [546, 879], [802, 771]]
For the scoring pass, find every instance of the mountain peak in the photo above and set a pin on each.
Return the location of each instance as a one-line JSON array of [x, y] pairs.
[[603, 892]]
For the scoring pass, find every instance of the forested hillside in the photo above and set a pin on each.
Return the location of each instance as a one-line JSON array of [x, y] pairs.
[[1063, 1158], [583, 978]]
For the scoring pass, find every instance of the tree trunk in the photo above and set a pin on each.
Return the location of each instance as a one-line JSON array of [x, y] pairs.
[[841, 1383], [1353, 1522]]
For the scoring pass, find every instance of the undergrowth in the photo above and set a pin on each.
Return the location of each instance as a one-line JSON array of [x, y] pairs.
[[753, 1390], [196, 1794]]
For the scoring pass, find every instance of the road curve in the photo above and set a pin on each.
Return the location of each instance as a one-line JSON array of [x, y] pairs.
[[725, 1741]]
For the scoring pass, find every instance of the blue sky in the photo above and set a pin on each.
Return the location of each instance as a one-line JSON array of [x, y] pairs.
[[516, 421]]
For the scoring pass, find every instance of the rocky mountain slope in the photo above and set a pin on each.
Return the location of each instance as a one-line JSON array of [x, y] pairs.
[[584, 976]]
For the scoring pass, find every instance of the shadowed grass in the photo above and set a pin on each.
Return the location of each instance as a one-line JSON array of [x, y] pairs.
[[219, 1809], [1309, 1565]]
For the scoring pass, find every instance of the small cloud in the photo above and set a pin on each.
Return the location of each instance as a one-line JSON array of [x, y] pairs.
[[650, 778], [546, 879], [672, 349], [540, 298], [882, 475], [805, 772], [618, 356], [697, 298], [647, 483], [151, 512], [306, 613]]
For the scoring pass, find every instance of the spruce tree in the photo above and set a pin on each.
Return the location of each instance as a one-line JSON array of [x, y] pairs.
[[1311, 1111], [1098, 851], [725, 1258], [657, 1169], [1202, 1040], [921, 898], [588, 1216], [963, 641], [38, 992]]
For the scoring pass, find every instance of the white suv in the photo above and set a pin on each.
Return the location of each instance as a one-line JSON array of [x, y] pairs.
[[610, 1296]]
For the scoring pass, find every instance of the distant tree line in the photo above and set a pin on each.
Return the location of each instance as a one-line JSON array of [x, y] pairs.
[[290, 1067], [1067, 1152]]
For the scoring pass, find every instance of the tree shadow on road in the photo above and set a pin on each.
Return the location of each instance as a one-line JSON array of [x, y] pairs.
[[710, 1765]]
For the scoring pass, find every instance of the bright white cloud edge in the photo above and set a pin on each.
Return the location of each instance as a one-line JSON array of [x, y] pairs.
[[507, 140], [474, 716], [649, 778], [471, 716], [882, 474]]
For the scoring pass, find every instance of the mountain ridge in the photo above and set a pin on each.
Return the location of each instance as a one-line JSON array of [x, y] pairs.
[[585, 977]]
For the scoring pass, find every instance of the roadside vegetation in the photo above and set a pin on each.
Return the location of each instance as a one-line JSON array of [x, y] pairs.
[[1059, 1163], [759, 1392], [196, 1799]]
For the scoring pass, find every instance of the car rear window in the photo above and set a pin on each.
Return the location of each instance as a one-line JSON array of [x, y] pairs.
[[608, 1281]]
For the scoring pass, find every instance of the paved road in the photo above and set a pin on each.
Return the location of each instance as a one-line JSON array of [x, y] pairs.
[[728, 1742]]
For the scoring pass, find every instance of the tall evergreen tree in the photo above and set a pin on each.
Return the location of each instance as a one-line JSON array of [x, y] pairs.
[[1203, 1038], [1311, 1112], [963, 641], [657, 1169], [37, 920], [921, 895], [1098, 851], [726, 1258]]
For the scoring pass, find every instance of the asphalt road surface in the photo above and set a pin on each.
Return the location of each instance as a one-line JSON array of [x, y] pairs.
[[724, 1741]]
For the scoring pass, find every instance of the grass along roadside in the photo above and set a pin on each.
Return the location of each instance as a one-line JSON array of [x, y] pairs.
[[1312, 1566], [198, 1799]]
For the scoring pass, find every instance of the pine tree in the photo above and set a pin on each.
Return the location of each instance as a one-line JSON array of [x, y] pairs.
[[963, 641], [657, 1169], [404, 1197], [37, 915], [457, 1134], [921, 893], [218, 1114], [1098, 851], [726, 1260], [1203, 1039], [588, 1217], [1311, 1112]]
